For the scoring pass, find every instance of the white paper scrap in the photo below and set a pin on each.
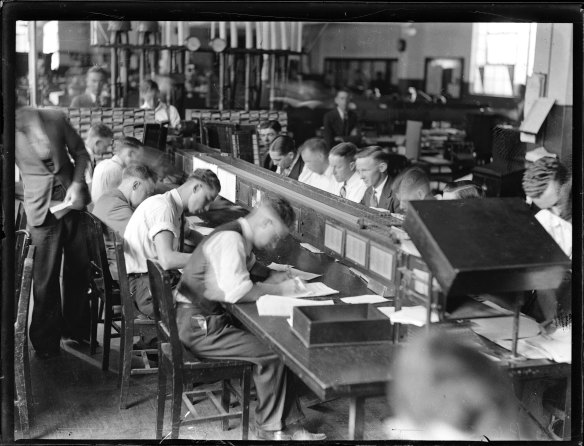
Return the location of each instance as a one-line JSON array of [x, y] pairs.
[[495, 328], [315, 289], [365, 299], [387, 310], [311, 248], [203, 229], [194, 220], [228, 185], [304, 275], [270, 305], [412, 315]]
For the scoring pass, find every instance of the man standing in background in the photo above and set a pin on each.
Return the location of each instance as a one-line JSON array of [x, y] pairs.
[[95, 81]]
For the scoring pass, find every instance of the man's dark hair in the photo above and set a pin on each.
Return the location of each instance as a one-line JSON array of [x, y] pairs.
[[342, 90], [283, 145], [148, 85], [565, 202], [315, 145], [140, 171], [207, 177], [282, 208], [345, 150], [100, 130], [97, 69], [540, 173], [271, 124], [127, 141]]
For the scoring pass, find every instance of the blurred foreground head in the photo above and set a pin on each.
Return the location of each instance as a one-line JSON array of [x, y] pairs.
[[443, 389]]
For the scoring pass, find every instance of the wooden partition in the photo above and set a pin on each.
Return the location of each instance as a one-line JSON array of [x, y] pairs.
[[249, 117]]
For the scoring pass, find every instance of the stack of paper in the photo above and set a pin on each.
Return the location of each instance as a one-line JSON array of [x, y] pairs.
[[556, 347], [496, 328], [314, 289], [412, 315], [304, 275], [269, 305], [365, 299], [311, 248]]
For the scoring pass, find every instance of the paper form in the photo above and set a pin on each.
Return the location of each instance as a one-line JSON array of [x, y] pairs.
[[311, 248], [314, 289], [203, 229], [270, 305], [556, 347], [304, 275], [365, 299], [387, 310], [412, 315], [496, 328], [194, 220]]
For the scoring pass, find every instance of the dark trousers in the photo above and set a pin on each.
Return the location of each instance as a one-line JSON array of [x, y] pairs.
[[215, 337], [56, 241]]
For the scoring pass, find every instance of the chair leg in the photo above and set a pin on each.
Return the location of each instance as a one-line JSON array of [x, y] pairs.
[[225, 399], [177, 389], [28, 390], [121, 354], [161, 399], [107, 335], [94, 317], [126, 367], [245, 391]]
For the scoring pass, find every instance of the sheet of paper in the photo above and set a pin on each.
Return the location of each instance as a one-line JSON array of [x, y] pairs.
[[203, 229], [194, 220], [408, 247], [495, 328], [270, 305], [304, 275], [311, 248], [228, 185], [364, 299], [387, 310], [315, 289], [385, 211], [60, 209], [412, 315], [359, 274]]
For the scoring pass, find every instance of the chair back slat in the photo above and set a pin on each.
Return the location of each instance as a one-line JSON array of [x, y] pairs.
[[164, 312], [97, 253], [127, 302], [23, 296], [22, 244]]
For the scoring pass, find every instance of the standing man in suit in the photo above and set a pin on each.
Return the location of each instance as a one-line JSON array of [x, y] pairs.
[[372, 166], [340, 124], [52, 159], [95, 81], [285, 157]]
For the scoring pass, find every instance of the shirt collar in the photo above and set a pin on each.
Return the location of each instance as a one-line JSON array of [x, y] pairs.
[[93, 97], [353, 179], [174, 197], [341, 113], [116, 159], [247, 234], [379, 188]]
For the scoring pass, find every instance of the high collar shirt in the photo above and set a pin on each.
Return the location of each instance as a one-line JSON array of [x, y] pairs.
[[155, 214], [325, 181], [355, 188]]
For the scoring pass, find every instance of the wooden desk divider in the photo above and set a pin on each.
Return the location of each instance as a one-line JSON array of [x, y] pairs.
[[241, 117]]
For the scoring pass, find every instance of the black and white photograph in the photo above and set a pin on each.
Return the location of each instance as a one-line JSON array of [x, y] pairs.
[[395, 184]]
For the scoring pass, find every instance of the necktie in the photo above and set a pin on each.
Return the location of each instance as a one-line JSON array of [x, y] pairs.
[[343, 191], [373, 202]]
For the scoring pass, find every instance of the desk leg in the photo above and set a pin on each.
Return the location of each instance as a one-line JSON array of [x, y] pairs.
[[356, 418]]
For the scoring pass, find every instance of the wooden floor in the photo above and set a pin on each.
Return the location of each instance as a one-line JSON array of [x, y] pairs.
[[74, 399]]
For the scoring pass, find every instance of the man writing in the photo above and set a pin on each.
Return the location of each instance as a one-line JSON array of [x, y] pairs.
[[218, 272]]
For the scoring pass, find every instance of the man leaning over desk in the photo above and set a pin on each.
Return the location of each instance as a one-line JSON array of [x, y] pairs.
[[218, 272], [153, 231]]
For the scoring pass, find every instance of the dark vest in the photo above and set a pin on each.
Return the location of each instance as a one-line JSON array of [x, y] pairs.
[[192, 283]]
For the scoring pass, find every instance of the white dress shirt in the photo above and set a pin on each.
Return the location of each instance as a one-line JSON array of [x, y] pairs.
[[165, 113], [355, 188], [156, 214], [106, 176], [558, 228], [325, 181]]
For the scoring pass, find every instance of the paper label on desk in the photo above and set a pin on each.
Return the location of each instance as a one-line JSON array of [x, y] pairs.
[[365, 299], [495, 328], [311, 248], [387, 310], [412, 315], [304, 275], [315, 289], [270, 305]]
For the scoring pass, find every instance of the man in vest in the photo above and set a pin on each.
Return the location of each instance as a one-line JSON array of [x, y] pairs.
[[223, 269]]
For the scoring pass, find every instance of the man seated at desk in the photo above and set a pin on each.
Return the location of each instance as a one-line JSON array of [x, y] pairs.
[[163, 113], [285, 157], [317, 172], [372, 165], [412, 184], [97, 143], [154, 229], [218, 272], [340, 124], [95, 81], [342, 160], [268, 131], [108, 174]]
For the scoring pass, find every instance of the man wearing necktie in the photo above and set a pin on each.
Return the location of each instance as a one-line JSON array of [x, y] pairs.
[[342, 161], [340, 124], [372, 165]]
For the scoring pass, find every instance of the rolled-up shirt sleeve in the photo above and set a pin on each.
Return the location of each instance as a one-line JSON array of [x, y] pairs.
[[228, 278]]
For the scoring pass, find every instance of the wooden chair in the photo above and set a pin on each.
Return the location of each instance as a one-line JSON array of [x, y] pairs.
[[184, 367], [130, 326], [24, 400], [103, 289]]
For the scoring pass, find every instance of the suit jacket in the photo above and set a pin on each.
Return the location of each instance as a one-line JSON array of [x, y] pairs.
[[387, 200], [65, 144], [83, 101], [296, 169], [334, 126]]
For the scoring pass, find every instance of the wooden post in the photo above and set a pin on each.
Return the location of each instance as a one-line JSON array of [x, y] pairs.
[[247, 80], [32, 64], [221, 80]]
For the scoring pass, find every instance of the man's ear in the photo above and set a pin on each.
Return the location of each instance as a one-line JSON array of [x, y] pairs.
[[420, 194], [382, 167], [135, 185], [352, 166], [196, 187]]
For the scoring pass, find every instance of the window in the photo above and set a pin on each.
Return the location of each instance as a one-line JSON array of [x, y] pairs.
[[502, 57]]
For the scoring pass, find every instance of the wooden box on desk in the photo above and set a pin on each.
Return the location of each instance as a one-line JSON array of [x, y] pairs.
[[478, 246], [319, 326]]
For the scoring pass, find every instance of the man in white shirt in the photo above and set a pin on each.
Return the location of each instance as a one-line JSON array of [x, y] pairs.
[[162, 112], [342, 160], [97, 143], [222, 270], [108, 174], [317, 172], [372, 166], [154, 229]]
